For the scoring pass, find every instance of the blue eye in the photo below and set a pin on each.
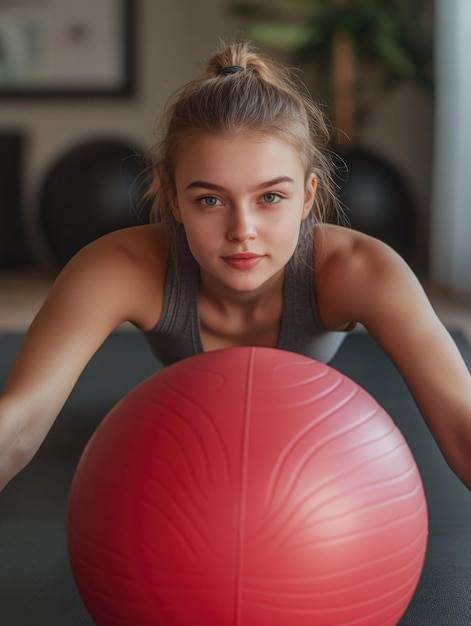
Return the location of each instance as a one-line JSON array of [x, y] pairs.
[[271, 198], [209, 201]]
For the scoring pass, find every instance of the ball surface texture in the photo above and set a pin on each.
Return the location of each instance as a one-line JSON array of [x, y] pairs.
[[247, 487]]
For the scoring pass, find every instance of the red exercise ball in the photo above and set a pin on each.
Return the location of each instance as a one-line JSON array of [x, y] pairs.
[[247, 487]]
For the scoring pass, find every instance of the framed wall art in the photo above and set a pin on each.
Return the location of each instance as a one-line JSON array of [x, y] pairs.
[[66, 48]]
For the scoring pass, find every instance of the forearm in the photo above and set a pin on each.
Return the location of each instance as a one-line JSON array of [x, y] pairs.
[[12, 461], [13, 455], [458, 453], [440, 382], [449, 421], [18, 441]]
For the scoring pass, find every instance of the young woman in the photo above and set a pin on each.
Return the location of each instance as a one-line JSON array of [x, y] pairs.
[[239, 252]]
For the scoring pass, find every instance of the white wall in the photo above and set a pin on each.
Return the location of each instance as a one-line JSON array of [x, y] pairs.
[[451, 206]]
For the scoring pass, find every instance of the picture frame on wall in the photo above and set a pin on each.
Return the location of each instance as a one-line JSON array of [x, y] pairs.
[[56, 48]]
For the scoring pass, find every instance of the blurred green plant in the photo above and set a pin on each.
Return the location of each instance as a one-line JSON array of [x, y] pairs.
[[390, 41], [363, 47], [393, 37]]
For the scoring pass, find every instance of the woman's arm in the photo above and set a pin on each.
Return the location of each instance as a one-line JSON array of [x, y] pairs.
[[363, 280], [103, 286]]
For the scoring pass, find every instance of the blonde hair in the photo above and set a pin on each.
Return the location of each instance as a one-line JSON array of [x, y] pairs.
[[259, 97]]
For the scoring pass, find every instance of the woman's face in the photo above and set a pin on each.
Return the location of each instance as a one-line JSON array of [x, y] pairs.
[[241, 200]]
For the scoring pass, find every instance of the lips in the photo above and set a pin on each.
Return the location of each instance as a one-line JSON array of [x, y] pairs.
[[243, 260]]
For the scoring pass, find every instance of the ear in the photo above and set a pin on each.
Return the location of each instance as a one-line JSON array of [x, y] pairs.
[[176, 210], [309, 195], [174, 206]]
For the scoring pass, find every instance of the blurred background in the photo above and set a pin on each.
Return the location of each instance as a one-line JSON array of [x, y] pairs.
[[82, 86]]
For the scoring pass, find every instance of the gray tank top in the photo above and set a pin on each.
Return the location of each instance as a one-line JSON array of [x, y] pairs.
[[177, 333]]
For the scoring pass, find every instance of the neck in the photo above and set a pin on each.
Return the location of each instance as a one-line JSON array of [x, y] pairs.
[[226, 300]]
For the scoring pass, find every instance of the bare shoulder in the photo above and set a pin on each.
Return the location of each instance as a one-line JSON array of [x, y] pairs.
[[340, 245], [357, 277], [146, 244], [128, 266]]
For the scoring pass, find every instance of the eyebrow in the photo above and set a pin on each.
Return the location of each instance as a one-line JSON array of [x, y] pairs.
[[201, 184]]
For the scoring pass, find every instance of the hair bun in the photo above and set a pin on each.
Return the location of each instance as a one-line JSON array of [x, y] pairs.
[[229, 69]]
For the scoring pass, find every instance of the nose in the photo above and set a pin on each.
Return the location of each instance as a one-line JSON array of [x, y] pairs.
[[241, 225]]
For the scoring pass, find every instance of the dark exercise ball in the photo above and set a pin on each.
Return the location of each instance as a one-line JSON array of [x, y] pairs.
[[377, 200], [93, 189]]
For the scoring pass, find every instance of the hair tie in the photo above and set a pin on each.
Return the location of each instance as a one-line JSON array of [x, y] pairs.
[[229, 69]]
